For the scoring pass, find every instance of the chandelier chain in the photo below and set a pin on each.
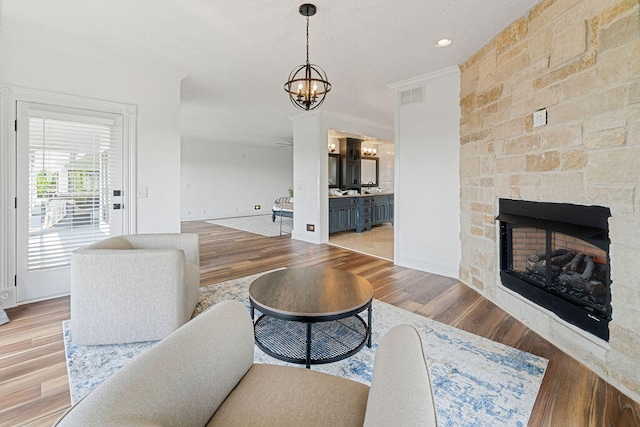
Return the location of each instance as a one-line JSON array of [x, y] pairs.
[[307, 39]]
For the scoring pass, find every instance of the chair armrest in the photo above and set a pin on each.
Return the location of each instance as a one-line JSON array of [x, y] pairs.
[[186, 242], [401, 392]]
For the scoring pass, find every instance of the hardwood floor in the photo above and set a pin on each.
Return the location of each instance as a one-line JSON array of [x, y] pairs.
[[33, 377]]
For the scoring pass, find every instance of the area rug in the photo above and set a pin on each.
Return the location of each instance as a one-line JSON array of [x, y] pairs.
[[258, 224], [476, 381]]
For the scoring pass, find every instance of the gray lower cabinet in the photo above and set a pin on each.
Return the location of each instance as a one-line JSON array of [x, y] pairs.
[[363, 220], [382, 209], [359, 213], [343, 214]]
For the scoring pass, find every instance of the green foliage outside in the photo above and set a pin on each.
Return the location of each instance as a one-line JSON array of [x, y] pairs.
[[46, 183]]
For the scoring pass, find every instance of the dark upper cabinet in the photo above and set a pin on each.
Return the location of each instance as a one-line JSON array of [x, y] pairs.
[[351, 167]]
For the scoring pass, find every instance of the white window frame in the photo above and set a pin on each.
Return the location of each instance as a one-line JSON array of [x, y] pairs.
[[9, 95]]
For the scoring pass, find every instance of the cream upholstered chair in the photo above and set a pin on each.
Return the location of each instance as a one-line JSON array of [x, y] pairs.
[[208, 378], [133, 288]]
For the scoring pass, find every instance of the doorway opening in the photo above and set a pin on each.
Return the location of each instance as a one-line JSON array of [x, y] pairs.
[[361, 199]]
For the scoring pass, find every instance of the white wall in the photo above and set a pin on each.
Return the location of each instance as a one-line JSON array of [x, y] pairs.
[[310, 170], [427, 202], [386, 166], [156, 93], [227, 180]]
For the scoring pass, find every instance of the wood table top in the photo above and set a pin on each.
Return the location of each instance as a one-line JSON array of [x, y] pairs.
[[314, 292]]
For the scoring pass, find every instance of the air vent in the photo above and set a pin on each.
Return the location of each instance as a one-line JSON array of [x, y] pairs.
[[412, 96]]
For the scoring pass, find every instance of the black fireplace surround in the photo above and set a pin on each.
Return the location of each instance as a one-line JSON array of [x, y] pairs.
[[575, 283]]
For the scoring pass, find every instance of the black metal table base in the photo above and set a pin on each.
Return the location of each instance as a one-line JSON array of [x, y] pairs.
[[312, 343]]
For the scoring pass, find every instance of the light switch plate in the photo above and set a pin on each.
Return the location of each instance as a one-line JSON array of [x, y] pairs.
[[540, 118]]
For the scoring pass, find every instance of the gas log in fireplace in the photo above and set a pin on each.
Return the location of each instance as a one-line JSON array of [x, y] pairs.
[[557, 256]]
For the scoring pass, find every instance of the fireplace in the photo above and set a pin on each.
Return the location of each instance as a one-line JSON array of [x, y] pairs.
[[557, 256]]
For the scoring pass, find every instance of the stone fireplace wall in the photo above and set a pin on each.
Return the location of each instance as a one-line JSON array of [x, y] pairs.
[[579, 59]]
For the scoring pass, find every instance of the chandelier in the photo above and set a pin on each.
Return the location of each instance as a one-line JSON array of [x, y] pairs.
[[307, 85]]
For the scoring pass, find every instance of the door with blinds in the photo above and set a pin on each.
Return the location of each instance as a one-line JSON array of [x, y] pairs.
[[69, 179]]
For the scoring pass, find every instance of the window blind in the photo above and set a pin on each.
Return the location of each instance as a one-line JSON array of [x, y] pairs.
[[74, 164]]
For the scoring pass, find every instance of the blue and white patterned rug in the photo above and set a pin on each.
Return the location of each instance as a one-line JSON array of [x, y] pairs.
[[476, 381]]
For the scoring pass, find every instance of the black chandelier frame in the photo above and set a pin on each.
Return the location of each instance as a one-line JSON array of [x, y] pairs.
[[308, 84]]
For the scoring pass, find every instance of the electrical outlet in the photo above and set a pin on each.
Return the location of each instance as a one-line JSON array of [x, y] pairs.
[[540, 118], [143, 192], [256, 207]]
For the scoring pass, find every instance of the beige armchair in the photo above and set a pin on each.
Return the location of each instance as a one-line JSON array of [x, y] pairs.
[[133, 288], [203, 374]]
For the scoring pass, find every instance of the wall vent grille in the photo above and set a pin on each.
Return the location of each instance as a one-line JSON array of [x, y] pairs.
[[412, 96]]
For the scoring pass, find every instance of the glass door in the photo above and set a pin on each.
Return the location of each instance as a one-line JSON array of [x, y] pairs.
[[69, 167]]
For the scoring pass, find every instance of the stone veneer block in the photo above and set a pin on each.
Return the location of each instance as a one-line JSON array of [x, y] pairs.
[[624, 340], [620, 64], [582, 63], [568, 43], [614, 166], [522, 144], [622, 31], [561, 137], [633, 128], [606, 138], [511, 35], [565, 187], [626, 229], [489, 96], [619, 198], [577, 110], [627, 371], [575, 159], [634, 92], [579, 85], [540, 45], [544, 162], [612, 121]]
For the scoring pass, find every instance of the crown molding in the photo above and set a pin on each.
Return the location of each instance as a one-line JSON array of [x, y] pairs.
[[424, 77]]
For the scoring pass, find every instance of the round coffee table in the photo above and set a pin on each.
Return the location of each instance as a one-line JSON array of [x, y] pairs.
[[310, 315]]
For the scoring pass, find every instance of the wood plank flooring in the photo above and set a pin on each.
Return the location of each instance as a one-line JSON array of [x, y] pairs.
[[33, 380]]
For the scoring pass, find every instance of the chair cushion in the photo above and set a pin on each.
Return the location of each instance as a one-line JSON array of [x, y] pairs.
[[117, 243], [271, 395]]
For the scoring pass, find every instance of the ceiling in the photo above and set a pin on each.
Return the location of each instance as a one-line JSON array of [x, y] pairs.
[[237, 54]]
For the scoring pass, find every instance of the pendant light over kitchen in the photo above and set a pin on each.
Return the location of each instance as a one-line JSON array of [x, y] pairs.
[[307, 85]]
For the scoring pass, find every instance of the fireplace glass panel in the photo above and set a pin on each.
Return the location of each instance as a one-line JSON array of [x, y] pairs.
[[578, 271]]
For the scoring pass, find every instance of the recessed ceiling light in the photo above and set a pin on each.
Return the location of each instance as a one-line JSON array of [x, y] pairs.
[[443, 42]]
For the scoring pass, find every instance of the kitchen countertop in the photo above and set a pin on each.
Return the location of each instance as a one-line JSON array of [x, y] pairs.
[[382, 193]]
